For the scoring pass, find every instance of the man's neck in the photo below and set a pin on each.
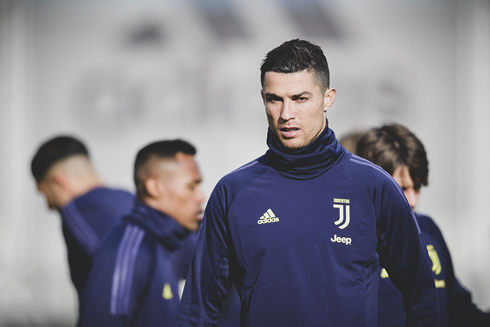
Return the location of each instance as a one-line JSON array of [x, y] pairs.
[[85, 185]]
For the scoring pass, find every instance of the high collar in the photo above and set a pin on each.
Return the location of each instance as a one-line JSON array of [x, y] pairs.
[[165, 228], [307, 162]]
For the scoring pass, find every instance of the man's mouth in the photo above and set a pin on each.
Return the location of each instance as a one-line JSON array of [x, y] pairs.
[[289, 132]]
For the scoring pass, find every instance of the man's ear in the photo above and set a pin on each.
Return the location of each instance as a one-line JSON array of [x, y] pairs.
[[262, 95], [60, 190], [60, 182], [329, 98], [154, 187]]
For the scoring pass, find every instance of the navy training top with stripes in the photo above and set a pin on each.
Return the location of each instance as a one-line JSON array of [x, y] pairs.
[[85, 222], [302, 234], [135, 274]]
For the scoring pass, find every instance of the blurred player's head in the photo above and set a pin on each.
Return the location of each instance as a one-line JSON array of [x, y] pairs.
[[167, 178], [62, 170], [295, 90], [398, 151]]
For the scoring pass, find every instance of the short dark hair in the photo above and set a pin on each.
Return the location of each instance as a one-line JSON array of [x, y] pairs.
[[393, 145], [160, 149], [53, 151], [294, 56]]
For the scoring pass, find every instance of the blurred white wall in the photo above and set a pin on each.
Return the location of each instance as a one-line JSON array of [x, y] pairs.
[[120, 74]]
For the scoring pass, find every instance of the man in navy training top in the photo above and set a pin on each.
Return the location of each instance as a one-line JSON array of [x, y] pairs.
[[66, 177], [133, 281], [398, 151], [302, 230]]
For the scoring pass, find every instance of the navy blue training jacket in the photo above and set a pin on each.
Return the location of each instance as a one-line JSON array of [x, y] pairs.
[[455, 305], [85, 222], [302, 235], [134, 277]]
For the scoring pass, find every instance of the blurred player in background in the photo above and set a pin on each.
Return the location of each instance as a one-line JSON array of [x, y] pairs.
[[398, 151], [135, 274], [66, 177]]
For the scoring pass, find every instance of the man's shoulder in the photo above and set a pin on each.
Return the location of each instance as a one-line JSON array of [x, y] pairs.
[[372, 180], [245, 173], [232, 184], [100, 194], [363, 171], [103, 201], [91, 216], [424, 218], [129, 240], [428, 225]]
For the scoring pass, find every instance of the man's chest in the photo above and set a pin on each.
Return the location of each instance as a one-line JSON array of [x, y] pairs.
[[311, 218]]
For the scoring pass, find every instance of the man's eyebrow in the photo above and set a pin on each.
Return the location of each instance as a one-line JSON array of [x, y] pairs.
[[272, 95], [301, 94]]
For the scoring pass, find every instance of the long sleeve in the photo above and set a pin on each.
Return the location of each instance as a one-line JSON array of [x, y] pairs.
[[404, 255], [402, 251], [208, 280], [118, 277]]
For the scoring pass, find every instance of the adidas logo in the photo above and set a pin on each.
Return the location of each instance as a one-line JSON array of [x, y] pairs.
[[268, 217]]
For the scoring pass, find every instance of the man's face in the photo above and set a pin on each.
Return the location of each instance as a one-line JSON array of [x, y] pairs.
[[296, 107], [51, 192], [183, 196], [402, 177]]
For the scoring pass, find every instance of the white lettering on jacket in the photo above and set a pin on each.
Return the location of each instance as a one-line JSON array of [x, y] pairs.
[[338, 239]]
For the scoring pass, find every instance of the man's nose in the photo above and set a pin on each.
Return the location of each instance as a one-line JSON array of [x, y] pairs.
[[287, 111], [200, 195]]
